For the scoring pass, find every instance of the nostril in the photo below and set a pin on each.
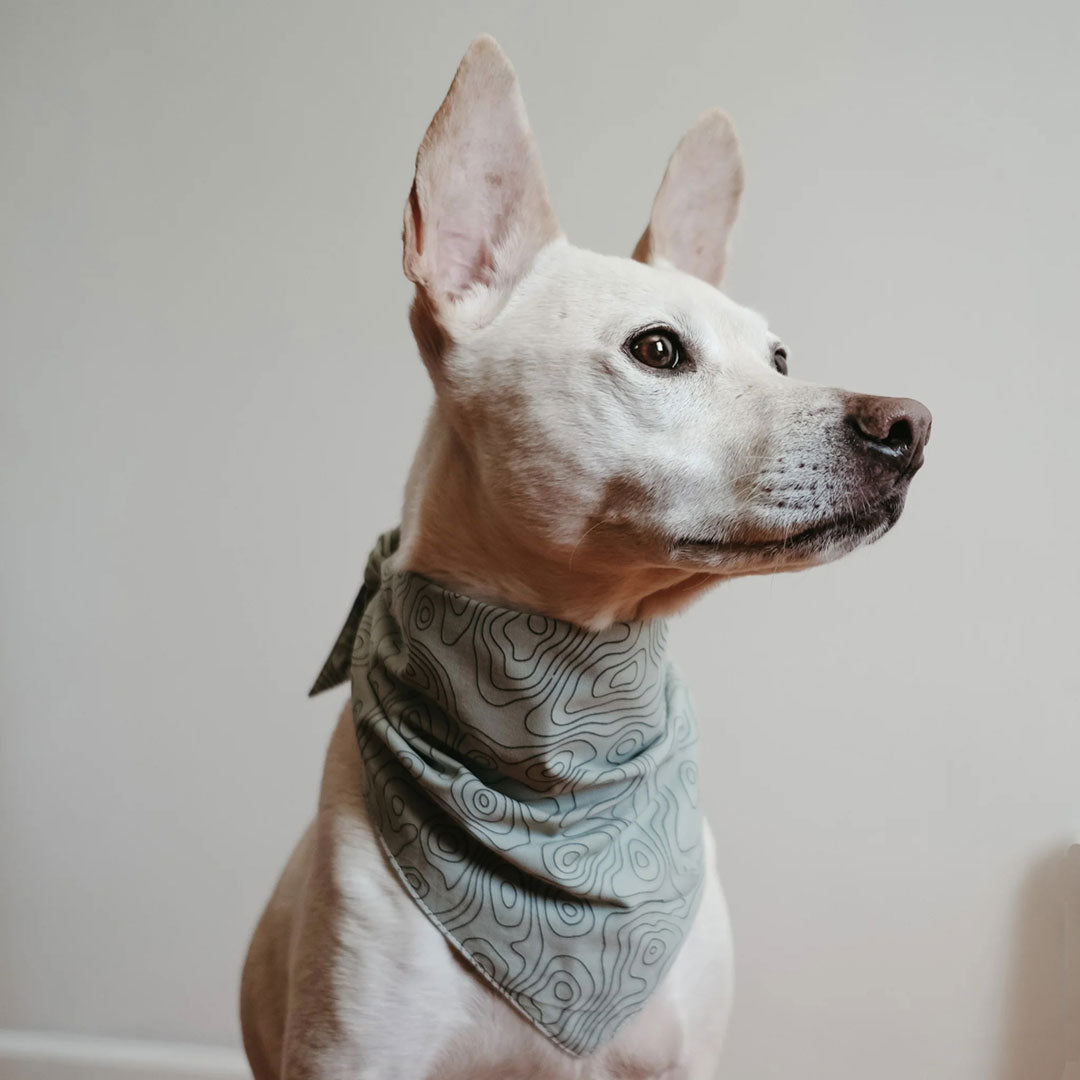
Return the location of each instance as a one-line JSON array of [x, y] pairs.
[[866, 428], [900, 435], [883, 431]]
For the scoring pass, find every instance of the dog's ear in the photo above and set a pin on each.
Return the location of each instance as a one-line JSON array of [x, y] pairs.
[[478, 212], [697, 202]]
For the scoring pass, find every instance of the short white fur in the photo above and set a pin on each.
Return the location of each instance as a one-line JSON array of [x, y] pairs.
[[556, 473]]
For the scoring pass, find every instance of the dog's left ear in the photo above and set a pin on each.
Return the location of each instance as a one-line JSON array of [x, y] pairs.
[[697, 202]]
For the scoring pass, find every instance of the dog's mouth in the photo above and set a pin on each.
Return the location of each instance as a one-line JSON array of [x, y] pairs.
[[820, 542]]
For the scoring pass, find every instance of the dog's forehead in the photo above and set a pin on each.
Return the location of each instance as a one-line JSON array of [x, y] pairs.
[[581, 291]]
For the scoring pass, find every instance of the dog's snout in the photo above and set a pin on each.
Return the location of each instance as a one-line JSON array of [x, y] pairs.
[[895, 430]]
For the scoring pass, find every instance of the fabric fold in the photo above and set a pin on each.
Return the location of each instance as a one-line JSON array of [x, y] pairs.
[[534, 785]]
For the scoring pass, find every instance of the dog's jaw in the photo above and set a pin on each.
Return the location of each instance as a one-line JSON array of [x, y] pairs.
[[819, 543], [443, 539], [455, 534]]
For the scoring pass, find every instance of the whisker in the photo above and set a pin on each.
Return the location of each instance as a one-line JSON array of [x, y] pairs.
[[583, 538]]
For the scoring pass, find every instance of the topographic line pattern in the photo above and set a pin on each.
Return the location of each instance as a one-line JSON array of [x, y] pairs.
[[535, 786]]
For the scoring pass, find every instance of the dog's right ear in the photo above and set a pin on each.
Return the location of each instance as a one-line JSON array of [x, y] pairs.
[[478, 212], [697, 202]]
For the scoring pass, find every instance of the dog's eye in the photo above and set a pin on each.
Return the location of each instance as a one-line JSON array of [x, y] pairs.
[[656, 349], [779, 359]]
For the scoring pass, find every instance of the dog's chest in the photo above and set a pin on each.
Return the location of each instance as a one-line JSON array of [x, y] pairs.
[[497, 1044], [408, 979]]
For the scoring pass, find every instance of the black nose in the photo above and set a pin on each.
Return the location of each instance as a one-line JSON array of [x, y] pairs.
[[894, 430]]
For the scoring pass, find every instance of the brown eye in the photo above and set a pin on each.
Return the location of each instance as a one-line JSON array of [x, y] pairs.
[[656, 349], [779, 359]]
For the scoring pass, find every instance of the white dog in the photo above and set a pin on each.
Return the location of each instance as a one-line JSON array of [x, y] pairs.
[[610, 436]]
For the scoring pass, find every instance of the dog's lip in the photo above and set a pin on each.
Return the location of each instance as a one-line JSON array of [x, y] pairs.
[[853, 525]]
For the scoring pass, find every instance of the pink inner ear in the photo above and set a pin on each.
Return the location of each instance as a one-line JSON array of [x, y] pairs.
[[697, 201], [464, 259], [480, 200], [693, 223], [479, 210]]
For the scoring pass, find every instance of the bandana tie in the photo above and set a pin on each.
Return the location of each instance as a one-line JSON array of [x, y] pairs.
[[534, 786]]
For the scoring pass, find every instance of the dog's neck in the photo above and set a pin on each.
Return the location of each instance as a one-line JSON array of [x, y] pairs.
[[453, 534], [534, 785]]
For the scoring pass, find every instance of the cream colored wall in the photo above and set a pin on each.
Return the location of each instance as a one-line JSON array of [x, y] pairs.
[[210, 400]]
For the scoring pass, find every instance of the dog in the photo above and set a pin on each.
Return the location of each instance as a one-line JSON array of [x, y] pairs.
[[610, 437]]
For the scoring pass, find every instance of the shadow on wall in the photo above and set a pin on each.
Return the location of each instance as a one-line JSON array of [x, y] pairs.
[[1034, 1026]]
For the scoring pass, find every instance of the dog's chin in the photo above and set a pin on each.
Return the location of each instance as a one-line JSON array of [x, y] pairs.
[[812, 545]]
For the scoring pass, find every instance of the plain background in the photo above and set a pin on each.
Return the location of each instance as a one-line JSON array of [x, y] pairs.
[[210, 400]]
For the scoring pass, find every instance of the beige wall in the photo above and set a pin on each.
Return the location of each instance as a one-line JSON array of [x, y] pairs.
[[210, 400]]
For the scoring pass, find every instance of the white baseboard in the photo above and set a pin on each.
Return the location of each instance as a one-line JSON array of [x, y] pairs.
[[40, 1055]]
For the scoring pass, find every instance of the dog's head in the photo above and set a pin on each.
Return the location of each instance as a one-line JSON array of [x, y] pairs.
[[627, 406]]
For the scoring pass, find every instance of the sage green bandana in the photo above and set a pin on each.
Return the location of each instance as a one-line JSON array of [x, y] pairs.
[[534, 785]]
